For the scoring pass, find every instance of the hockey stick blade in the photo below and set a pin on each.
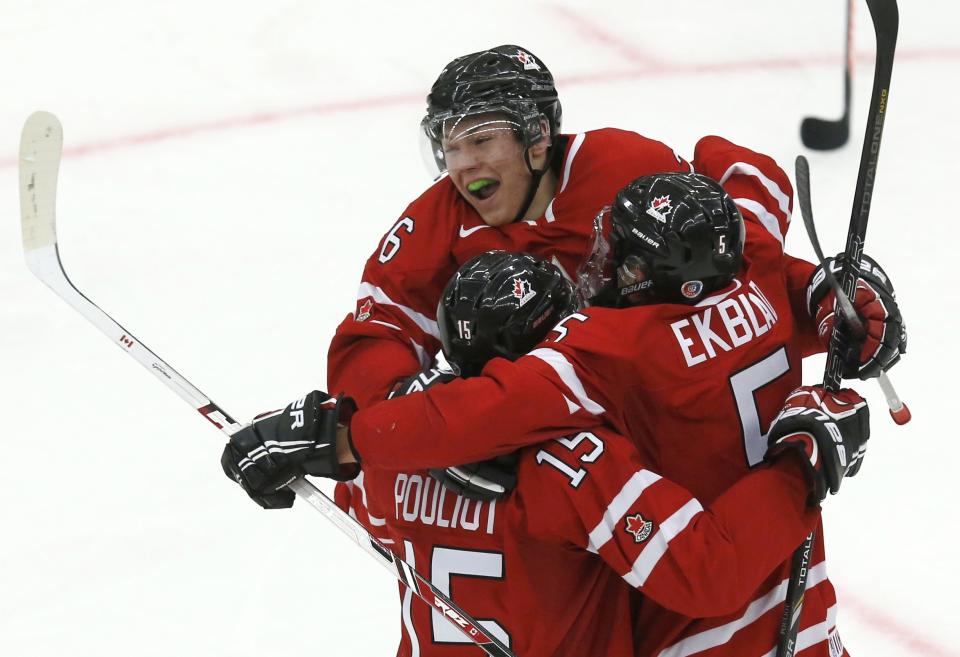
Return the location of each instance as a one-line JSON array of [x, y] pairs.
[[41, 145], [898, 410], [823, 134]]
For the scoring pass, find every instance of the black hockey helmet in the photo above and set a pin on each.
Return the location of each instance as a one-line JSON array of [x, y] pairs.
[[500, 304], [673, 238], [507, 80]]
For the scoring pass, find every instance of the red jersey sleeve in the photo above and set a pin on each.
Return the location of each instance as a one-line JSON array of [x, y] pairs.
[[393, 330], [798, 273], [762, 191], [592, 490], [550, 391], [755, 182]]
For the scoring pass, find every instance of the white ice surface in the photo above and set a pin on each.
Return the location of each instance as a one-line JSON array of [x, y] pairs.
[[229, 167]]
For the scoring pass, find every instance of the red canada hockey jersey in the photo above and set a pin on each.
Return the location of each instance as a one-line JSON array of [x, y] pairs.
[[695, 388], [393, 331], [552, 569]]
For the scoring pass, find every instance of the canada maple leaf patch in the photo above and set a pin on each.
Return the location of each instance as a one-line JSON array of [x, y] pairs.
[[639, 527], [365, 310]]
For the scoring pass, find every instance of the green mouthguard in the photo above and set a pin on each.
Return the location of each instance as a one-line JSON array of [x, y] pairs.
[[477, 185]]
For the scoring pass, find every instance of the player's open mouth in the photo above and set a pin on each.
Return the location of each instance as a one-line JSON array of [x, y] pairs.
[[483, 189]]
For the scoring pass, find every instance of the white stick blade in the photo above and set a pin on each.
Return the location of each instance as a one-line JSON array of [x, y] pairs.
[[41, 143]]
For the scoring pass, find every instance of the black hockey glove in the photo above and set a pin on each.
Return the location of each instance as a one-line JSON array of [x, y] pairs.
[[425, 378], [487, 480], [830, 430], [483, 480], [885, 339], [280, 446]]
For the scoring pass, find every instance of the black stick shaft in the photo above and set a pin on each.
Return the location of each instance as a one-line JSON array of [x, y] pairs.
[[885, 17], [848, 65], [790, 623]]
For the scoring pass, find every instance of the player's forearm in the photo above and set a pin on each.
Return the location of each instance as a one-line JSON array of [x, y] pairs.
[[463, 421]]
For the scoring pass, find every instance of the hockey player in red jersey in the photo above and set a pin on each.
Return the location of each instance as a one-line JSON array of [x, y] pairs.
[[719, 353], [514, 182], [551, 569]]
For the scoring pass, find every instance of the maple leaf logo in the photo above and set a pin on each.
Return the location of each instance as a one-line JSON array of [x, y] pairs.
[[522, 290], [639, 527], [660, 208], [365, 310], [529, 63]]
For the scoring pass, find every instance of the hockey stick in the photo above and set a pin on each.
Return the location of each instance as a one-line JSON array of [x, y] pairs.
[[824, 134], [898, 410], [41, 144], [886, 19]]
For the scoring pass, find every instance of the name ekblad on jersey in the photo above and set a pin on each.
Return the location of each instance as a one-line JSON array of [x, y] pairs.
[[729, 324], [421, 498]]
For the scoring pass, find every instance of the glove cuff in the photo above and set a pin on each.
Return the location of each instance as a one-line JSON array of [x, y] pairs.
[[804, 445]]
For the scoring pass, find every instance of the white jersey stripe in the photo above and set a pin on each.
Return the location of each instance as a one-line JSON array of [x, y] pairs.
[[568, 375], [358, 483], [814, 634], [421, 353], [717, 298], [717, 636], [426, 324], [577, 143], [749, 170], [768, 220], [630, 493], [572, 407], [651, 554]]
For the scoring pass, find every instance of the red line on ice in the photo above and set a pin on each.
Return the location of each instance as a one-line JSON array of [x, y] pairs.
[[892, 627], [651, 69], [596, 32]]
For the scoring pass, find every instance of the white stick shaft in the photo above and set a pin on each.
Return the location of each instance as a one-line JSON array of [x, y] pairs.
[[40, 148]]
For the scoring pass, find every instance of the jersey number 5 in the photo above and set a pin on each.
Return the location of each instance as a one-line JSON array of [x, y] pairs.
[[744, 385], [449, 562]]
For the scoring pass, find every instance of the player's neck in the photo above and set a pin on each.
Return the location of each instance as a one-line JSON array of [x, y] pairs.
[[545, 193]]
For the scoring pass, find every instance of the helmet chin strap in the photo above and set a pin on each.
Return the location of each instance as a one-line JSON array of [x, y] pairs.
[[536, 176]]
